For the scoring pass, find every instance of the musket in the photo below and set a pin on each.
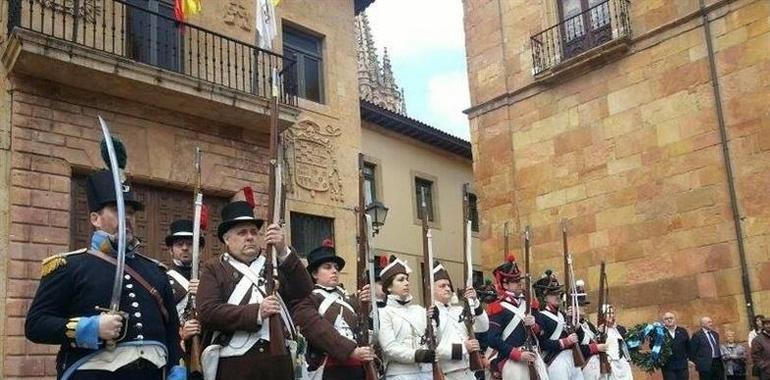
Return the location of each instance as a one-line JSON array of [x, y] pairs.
[[530, 343], [427, 288], [601, 321], [573, 319], [117, 181], [274, 212], [362, 262], [475, 358], [506, 238], [191, 310]]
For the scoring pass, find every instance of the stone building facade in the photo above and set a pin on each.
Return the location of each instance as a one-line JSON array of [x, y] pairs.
[[164, 89], [645, 125]]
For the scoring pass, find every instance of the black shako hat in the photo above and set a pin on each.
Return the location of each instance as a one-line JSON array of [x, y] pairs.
[[234, 213], [179, 229], [100, 191], [548, 284], [324, 254]]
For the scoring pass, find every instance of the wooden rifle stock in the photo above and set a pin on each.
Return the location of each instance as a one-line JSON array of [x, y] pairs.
[[427, 293], [577, 354], [476, 360], [364, 309], [193, 345], [529, 343], [601, 321], [277, 339]]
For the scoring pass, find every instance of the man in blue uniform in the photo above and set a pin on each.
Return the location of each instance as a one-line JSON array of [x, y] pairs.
[[555, 340], [74, 284], [507, 333]]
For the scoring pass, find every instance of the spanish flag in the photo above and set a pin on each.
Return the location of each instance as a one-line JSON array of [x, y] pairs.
[[186, 8]]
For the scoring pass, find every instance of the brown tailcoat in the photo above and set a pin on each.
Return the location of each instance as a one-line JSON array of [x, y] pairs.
[[217, 281], [323, 338]]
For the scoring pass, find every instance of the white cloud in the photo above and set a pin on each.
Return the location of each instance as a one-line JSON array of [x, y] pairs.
[[409, 28], [447, 98]]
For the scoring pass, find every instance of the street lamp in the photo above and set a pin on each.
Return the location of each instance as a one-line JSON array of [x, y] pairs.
[[377, 212]]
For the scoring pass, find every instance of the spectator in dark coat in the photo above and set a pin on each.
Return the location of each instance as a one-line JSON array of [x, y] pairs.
[[760, 351], [705, 352], [677, 367]]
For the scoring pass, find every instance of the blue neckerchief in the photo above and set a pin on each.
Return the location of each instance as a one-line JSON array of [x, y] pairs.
[[103, 242]]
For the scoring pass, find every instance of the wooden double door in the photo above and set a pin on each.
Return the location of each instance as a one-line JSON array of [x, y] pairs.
[[161, 207], [584, 24]]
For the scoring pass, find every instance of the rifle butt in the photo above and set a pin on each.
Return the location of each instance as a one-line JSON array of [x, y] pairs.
[[577, 357], [532, 372], [476, 361], [438, 374], [195, 355], [604, 364], [370, 371], [277, 340]]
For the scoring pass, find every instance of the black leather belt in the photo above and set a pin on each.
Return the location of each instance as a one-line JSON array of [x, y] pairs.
[[140, 364]]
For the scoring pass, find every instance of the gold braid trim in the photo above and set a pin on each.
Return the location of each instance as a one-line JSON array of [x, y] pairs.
[[51, 264], [72, 325], [55, 262]]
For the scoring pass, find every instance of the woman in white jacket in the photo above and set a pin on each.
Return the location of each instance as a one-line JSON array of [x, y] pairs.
[[402, 325]]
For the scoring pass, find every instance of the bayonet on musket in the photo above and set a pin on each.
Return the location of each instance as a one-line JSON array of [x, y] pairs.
[[573, 320], [475, 358], [427, 275], [191, 311]]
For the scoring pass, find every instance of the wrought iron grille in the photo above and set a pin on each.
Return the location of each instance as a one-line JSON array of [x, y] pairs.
[[126, 28], [596, 26]]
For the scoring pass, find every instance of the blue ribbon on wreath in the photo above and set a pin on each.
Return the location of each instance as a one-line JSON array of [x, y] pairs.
[[657, 336]]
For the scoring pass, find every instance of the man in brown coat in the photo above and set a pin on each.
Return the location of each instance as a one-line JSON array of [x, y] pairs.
[[233, 306], [333, 353], [760, 350]]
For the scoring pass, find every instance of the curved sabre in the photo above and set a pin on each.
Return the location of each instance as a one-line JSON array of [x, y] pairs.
[[117, 284]]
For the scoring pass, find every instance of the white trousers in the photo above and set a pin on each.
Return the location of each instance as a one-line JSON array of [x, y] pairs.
[[620, 370], [464, 374], [513, 370], [416, 376], [563, 368]]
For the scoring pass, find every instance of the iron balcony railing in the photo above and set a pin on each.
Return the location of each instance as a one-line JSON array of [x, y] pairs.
[[127, 28], [596, 26]]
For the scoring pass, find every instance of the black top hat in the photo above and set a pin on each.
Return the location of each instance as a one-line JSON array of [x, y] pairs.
[[180, 229], [546, 285], [234, 213], [100, 191], [323, 254]]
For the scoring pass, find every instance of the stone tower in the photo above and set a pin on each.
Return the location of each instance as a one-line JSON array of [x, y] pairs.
[[376, 83]]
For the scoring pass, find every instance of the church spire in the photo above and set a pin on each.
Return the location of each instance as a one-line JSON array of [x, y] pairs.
[[387, 71], [376, 83]]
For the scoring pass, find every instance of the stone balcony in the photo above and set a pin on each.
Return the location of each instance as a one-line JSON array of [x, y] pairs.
[[117, 48]]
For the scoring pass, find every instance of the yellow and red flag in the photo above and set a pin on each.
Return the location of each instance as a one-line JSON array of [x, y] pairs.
[[186, 8]]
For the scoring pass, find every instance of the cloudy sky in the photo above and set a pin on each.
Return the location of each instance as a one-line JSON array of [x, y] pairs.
[[426, 44]]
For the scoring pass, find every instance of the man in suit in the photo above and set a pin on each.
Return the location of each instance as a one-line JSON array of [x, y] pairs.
[[676, 368], [705, 351]]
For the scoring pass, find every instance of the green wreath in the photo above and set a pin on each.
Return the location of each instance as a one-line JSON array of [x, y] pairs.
[[649, 335]]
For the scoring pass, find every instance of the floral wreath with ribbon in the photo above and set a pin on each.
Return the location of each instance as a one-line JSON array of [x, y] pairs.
[[659, 341]]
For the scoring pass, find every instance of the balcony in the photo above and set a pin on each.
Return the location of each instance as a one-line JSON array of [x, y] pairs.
[[122, 48], [595, 34]]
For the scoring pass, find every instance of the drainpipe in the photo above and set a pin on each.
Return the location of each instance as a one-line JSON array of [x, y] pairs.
[[728, 168]]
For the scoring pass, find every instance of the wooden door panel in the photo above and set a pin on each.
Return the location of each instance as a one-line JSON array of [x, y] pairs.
[[162, 206]]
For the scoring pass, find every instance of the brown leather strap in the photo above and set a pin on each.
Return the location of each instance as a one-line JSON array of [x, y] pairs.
[[146, 285]]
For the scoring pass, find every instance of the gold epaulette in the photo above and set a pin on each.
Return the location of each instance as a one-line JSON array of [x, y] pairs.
[[50, 264], [158, 263]]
